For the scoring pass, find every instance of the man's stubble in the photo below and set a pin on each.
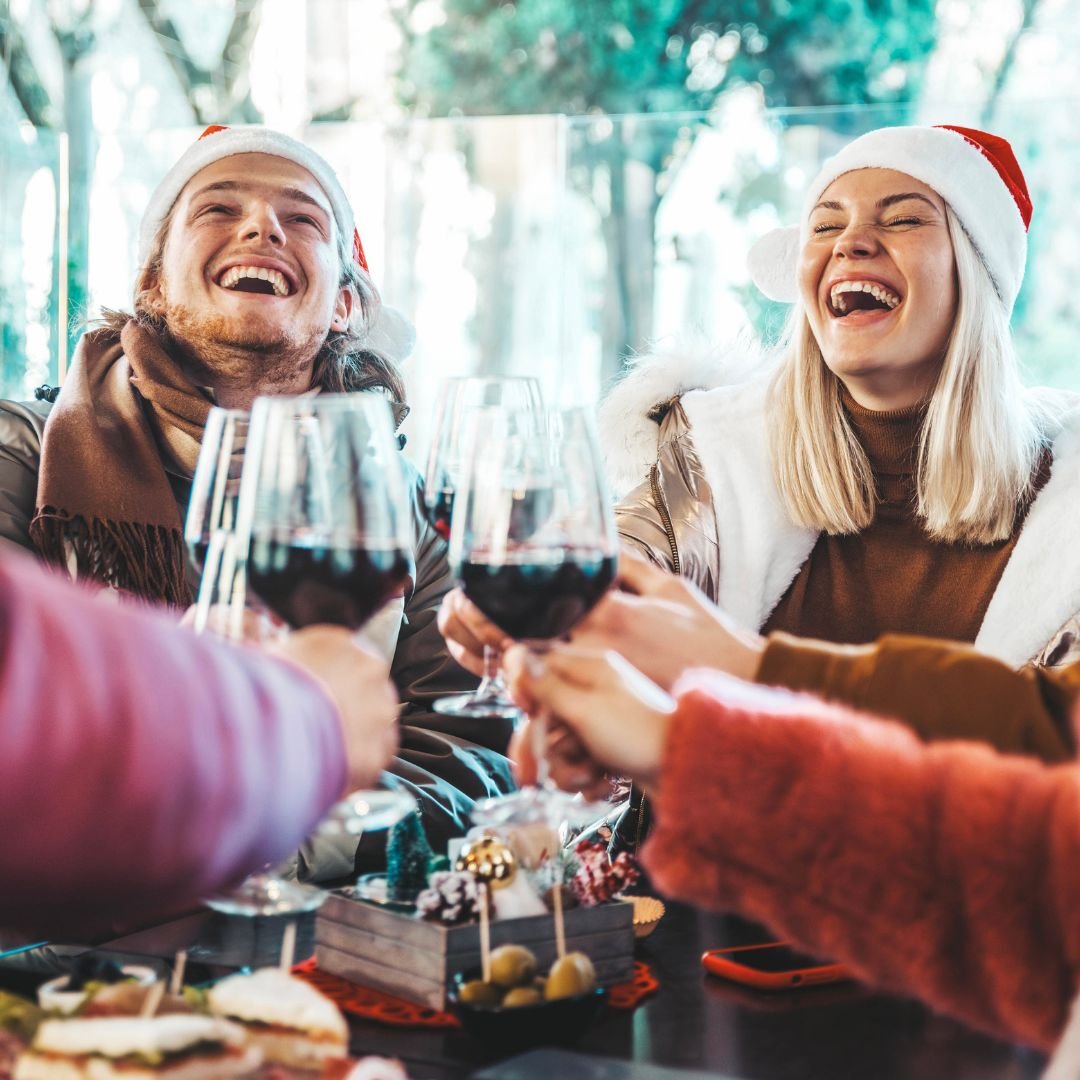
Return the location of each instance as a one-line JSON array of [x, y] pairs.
[[220, 351]]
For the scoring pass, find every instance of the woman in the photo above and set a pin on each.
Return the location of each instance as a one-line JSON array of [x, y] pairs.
[[945, 871], [891, 474]]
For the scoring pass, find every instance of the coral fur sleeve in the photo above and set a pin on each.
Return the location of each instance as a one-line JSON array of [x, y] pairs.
[[948, 871]]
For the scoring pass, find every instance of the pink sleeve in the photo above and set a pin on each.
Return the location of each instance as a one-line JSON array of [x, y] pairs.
[[949, 872], [142, 767]]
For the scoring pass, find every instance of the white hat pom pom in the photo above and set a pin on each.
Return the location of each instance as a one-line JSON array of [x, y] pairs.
[[772, 262]]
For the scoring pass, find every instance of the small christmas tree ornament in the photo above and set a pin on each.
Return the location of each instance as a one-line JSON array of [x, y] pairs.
[[489, 860], [407, 856]]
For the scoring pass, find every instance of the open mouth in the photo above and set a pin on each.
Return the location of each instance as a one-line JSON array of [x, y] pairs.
[[256, 279], [846, 297]]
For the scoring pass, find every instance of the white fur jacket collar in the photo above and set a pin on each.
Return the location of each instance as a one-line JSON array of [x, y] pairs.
[[722, 390]]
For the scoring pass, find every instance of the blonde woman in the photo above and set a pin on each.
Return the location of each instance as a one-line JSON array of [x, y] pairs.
[[887, 472]]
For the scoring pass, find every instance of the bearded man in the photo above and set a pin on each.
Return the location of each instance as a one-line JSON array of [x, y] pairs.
[[253, 281]]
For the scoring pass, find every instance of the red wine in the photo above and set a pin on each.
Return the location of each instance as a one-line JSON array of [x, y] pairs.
[[306, 584], [538, 600], [441, 511]]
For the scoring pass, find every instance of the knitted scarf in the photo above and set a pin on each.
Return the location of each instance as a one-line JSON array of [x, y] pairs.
[[103, 498]]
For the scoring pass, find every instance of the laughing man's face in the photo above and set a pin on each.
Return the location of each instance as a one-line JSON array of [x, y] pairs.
[[251, 258]]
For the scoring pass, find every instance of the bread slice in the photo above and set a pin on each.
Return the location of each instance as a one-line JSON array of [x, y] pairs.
[[180, 1047], [286, 1018]]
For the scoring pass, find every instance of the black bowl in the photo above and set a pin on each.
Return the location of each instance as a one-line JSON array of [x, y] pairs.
[[548, 1023]]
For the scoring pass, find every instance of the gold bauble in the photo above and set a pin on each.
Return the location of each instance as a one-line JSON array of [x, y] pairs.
[[489, 860]]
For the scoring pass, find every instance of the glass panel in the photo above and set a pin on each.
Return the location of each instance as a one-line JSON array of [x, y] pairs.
[[29, 174], [556, 246]]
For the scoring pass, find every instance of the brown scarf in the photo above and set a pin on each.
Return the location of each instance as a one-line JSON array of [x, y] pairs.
[[126, 413]]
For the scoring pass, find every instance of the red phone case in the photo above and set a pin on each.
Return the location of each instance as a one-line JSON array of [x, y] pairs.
[[725, 963]]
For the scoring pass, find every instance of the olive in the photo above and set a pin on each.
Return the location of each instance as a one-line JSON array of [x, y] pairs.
[[522, 995], [573, 974], [512, 965], [477, 992]]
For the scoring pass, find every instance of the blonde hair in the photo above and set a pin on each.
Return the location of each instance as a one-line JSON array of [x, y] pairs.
[[981, 437]]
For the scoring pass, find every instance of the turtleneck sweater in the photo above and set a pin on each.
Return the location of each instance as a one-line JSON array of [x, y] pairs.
[[892, 577]]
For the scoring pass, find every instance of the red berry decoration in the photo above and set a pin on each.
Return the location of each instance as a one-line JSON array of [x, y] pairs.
[[599, 878]]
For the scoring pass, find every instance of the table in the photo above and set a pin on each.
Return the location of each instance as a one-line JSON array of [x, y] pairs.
[[839, 1032]]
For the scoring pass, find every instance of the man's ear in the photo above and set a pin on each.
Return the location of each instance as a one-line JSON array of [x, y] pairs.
[[149, 295], [343, 309]]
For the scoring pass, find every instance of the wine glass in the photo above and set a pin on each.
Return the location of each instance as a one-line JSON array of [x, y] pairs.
[[211, 512], [211, 537], [322, 535], [534, 547], [326, 528], [447, 462]]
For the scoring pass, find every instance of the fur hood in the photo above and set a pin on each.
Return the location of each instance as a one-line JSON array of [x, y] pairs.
[[723, 396], [627, 416]]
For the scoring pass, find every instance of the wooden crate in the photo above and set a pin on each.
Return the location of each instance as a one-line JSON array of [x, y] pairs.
[[416, 959]]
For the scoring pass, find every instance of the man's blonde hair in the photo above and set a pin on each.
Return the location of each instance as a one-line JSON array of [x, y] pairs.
[[981, 437]]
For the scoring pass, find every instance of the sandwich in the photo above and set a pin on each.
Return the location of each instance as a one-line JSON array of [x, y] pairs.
[[179, 1047], [285, 1017]]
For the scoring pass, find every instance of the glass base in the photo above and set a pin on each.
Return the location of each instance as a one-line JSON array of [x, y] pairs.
[[375, 889], [367, 811], [263, 894], [477, 706], [539, 804]]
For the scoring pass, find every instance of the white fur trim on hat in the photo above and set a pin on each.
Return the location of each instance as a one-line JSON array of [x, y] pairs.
[[391, 333], [943, 160], [227, 143]]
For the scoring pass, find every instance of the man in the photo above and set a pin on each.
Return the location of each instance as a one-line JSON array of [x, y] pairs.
[[110, 805], [253, 281]]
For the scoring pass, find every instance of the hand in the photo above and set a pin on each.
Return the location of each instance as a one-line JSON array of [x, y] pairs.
[[665, 625], [359, 683], [606, 716], [467, 631]]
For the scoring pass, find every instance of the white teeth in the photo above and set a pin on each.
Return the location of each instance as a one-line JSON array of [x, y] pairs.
[[276, 278], [878, 292]]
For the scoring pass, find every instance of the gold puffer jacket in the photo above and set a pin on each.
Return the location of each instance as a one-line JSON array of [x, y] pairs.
[[671, 516], [677, 516]]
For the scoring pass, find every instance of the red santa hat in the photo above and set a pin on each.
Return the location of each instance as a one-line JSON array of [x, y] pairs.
[[975, 172], [390, 332]]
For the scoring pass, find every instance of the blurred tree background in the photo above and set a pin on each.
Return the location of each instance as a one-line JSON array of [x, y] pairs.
[[649, 93], [621, 57]]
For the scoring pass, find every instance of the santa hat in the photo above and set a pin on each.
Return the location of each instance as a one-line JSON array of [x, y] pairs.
[[390, 333], [975, 172]]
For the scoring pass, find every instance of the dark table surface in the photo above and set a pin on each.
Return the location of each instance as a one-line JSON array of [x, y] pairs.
[[694, 1022]]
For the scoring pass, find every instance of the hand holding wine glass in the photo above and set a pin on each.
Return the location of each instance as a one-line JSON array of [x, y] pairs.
[[324, 519], [448, 462], [533, 544], [322, 535], [359, 683]]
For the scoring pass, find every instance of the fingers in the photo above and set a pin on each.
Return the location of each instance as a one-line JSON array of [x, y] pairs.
[[563, 679], [526, 767], [467, 631], [636, 574], [568, 763]]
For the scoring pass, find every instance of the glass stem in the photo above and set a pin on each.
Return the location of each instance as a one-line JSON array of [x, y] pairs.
[[490, 678]]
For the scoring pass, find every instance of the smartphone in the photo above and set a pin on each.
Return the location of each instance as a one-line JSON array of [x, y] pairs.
[[771, 966]]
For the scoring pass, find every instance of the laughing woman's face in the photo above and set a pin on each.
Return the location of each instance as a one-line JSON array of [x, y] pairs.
[[877, 276]]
